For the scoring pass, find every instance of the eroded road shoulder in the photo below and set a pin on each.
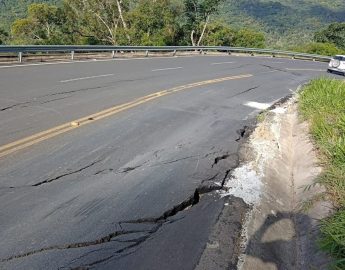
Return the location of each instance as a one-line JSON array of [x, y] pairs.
[[280, 232]]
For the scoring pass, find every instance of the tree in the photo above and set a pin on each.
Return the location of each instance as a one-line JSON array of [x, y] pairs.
[[101, 19], [155, 22], [44, 17], [41, 25], [249, 38], [198, 14], [22, 29], [3, 36], [219, 34], [334, 33]]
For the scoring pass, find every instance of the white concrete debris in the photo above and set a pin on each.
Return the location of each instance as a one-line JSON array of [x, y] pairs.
[[245, 183], [279, 110], [246, 180], [257, 105]]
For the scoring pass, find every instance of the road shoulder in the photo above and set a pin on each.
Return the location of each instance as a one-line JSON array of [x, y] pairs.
[[280, 232]]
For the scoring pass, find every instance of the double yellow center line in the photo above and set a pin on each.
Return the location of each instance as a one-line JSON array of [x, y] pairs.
[[47, 134]]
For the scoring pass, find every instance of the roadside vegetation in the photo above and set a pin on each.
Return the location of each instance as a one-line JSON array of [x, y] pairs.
[[328, 41], [285, 23], [319, 48], [142, 22], [322, 103]]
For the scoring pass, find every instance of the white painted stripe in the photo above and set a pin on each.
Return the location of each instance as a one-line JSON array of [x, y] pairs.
[[267, 72], [38, 64], [86, 78], [257, 105], [107, 60], [304, 69], [222, 63], [162, 69], [92, 60]]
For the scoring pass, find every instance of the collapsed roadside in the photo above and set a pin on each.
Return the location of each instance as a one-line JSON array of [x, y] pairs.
[[294, 160]]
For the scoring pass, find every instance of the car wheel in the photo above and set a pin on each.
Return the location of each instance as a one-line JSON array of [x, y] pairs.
[[335, 63], [329, 71]]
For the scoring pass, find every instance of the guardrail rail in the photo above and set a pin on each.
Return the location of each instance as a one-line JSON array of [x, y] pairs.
[[34, 49]]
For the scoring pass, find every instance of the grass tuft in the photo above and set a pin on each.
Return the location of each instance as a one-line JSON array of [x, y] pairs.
[[333, 239]]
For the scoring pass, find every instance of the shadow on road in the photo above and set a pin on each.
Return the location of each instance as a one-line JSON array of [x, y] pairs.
[[285, 241]]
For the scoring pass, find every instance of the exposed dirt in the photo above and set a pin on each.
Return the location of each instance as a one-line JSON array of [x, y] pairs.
[[279, 233]]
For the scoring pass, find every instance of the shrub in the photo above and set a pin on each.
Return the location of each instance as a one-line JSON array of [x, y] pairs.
[[319, 48]]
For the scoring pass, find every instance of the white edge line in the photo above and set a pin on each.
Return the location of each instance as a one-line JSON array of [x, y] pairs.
[[222, 63], [105, 60], [304, 69], [162, 69], [85, 78], [89, 61]]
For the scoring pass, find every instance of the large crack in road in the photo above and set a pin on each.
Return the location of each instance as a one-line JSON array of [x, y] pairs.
[[209, 185]]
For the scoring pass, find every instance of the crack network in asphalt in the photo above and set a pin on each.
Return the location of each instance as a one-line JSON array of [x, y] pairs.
[[65, 174], [159, 221]]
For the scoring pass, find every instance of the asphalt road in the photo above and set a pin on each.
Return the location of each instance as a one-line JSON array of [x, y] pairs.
[[135, 189]]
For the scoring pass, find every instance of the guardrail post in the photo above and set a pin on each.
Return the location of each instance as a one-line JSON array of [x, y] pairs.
[[72, 55], [147, 53], [229, 52], [174, 53], [113, 54], [20, 57]]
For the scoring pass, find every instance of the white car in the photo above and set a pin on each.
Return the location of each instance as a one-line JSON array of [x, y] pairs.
[[337, 64]]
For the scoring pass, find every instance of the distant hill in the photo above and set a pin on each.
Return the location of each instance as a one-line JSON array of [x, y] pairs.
[[284, 21], [288, 21]]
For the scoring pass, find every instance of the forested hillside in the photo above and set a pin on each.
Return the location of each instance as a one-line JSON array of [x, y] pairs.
[[285, 23]]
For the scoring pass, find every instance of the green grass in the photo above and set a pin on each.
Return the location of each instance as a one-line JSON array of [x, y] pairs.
[[261, 116], [333, 238], [322, 103]]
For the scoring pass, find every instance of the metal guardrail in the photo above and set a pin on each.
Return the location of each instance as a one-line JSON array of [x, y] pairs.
[[20, 50]]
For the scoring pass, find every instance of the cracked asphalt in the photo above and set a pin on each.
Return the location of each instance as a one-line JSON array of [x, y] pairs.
[[138, 189]]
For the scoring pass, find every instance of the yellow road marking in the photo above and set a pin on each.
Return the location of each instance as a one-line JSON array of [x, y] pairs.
[[47, 134]]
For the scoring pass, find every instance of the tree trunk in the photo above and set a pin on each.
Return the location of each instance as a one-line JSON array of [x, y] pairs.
[[48, 30], [203, 30], [111, 34], [192, 38], [118, 2]]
